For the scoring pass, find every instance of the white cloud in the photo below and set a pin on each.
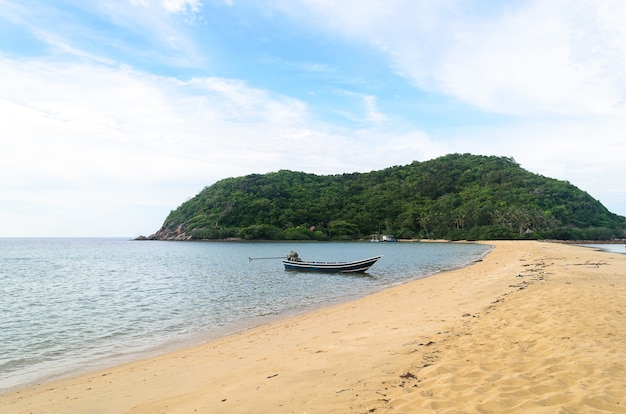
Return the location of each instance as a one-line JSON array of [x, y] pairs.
[[181, 6], [563, 57], [108, 32], [171, 6], [75, 109], [371, 108], [366, 112], [531, 61]]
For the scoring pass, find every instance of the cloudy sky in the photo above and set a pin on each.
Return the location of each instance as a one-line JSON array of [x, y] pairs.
[[114, 112]]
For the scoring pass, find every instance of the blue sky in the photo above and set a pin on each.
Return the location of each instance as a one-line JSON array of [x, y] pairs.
[[115, 112]]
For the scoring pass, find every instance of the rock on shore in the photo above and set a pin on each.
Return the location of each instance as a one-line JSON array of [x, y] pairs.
[[177, 234]]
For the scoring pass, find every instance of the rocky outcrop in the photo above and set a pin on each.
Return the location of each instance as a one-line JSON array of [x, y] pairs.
[[177, 234]]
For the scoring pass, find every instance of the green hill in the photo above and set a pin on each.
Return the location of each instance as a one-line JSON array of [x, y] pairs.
[[458, 196]]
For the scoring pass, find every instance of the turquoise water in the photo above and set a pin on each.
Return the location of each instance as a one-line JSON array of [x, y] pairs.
[[71, 305]]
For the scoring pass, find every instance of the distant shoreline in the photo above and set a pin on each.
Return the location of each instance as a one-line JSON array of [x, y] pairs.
[[237, 239]]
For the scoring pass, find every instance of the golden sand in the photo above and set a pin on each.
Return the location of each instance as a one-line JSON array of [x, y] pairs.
[[534, 328]]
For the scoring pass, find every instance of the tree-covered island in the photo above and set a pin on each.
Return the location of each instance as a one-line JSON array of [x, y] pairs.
[[455, 197]]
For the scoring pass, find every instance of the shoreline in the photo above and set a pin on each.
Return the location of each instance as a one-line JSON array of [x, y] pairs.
[[202, 337], [62, 369], [407, 347]]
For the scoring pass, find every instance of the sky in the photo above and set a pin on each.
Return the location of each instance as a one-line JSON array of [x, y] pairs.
[[113, 113]]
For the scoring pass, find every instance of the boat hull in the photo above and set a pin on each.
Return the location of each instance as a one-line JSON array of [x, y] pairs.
[[358, 266]]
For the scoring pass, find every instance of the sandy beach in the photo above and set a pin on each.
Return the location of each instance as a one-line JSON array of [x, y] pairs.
[[535, 327]]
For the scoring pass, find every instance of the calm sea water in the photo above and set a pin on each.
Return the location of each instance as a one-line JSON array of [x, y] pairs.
[[610, 248], [71, 305]]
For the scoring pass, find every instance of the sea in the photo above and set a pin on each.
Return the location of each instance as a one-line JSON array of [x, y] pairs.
[[607, 247], [72, 305]]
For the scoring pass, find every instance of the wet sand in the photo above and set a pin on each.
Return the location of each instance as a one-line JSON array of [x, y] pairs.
[[534, 327]]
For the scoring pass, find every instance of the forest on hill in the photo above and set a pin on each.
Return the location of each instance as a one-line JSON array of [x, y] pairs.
[[455, 197]]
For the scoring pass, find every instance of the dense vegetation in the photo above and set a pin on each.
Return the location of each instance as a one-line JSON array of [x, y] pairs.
[[453, 197]]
